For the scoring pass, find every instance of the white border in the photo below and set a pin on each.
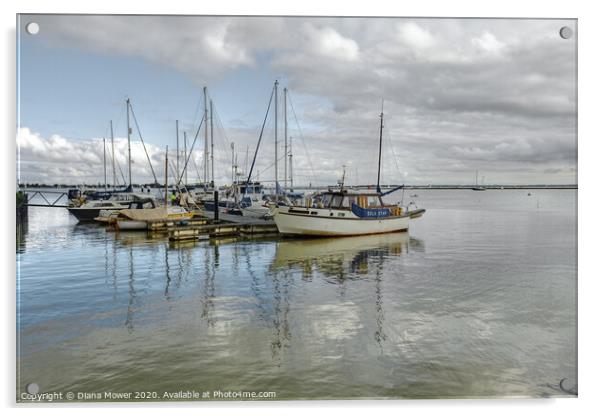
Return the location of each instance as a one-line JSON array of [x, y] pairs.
[[590, 112]]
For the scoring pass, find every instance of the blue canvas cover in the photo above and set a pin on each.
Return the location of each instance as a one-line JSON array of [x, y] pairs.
[[370, 213]]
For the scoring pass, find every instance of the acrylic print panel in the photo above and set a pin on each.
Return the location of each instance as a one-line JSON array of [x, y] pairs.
[[135, 285]]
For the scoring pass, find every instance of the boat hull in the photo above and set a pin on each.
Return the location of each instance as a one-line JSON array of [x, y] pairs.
[[295, 224], [131, 225], [88, 214]]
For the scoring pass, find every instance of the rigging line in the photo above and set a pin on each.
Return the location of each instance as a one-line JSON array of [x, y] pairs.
[[393, 151], [119, 167], [290, 100], [270, 166], [143, 145], [190, 152], [179, 188], [196, 168], [261, 135], [220, 142]]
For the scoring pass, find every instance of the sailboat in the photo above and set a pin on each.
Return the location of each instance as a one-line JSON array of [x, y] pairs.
[[342, 212], [477, 187]]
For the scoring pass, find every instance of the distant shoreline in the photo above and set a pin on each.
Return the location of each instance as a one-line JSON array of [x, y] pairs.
[[450, 187]]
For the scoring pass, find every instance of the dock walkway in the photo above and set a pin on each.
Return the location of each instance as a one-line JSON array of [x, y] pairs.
[[203, 226]]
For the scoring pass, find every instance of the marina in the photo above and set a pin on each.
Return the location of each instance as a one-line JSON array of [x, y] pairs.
[[232, 208]]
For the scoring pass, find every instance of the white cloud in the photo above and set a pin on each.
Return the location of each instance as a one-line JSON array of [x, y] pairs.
[[489, 43], [457, 92], [330, 43], [416, 36], [62, 160]]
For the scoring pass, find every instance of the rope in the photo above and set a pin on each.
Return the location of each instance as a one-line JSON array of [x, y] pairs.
[[143, 145], [190, 152], [261, 135], [313, 172]]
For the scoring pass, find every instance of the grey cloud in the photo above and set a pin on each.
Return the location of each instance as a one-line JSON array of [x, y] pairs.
[[459, 94]]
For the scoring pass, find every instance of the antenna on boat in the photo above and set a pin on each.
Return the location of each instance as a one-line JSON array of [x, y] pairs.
[[380, 145], [343, 178]]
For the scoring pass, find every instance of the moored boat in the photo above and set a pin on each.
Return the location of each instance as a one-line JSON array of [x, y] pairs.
[[341, 212], [138, 219]]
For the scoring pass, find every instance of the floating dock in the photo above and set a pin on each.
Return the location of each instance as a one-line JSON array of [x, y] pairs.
[[202, 226]]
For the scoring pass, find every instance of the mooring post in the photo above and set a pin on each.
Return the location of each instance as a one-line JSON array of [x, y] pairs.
[[216, 206]]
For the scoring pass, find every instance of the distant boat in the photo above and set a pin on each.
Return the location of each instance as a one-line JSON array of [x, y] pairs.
[[340, 212], [477, 187]]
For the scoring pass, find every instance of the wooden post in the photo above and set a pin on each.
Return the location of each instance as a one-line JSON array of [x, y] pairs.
[[216, 206], [166, 165]]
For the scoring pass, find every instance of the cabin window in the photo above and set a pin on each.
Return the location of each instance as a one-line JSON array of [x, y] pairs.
[[326, 199], [336, 202], [374, 201], [349, 201]]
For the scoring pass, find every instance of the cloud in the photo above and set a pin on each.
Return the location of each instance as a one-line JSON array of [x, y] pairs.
[[460, 94], [58, 159], [328, 42], [489, 43], [416, 36]]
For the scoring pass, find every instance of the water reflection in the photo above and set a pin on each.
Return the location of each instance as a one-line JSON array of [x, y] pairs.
[[341, 259]]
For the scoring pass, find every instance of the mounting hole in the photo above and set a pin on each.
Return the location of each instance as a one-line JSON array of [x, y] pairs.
[[566, 32], [32, 28], [32, 388]]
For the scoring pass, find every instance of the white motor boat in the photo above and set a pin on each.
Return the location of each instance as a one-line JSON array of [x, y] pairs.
[[341, 213]]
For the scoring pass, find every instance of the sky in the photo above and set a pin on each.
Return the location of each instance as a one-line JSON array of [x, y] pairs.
[[497, 96]]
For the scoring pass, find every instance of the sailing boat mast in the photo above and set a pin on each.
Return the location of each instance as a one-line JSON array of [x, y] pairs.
[[186, 159], [177, 148], [104, 160], [232, 147], [166, 164], [290, 163], [113, 158], [212, 166], [285, 139], [205, 158], [276, 135], [380, 147], [127, 105]]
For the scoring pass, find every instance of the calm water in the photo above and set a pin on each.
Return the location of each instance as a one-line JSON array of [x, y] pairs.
[[478, 299]]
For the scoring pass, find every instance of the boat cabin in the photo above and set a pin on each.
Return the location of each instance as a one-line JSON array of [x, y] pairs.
[[361, 204]]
